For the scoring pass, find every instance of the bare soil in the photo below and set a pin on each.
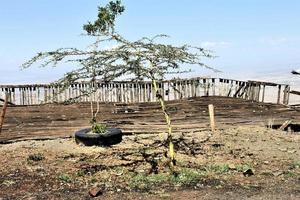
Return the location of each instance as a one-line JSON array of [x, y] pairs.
[[243, 159], [61, 169]]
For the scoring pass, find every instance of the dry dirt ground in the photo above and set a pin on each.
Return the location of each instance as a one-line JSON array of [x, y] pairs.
[[236, 162]]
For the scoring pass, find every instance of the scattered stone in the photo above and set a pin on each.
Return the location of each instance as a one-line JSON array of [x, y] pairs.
[[248, 172], [282, 149], [277, 173], [217, 145], [232, 167], [8, 183], [96, 191], [266, 162], [292, 151]]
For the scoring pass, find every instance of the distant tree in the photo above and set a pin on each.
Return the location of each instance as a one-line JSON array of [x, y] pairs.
[[141, 59]]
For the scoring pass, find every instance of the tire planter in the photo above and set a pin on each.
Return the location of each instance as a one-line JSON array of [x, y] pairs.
[[110, 137]]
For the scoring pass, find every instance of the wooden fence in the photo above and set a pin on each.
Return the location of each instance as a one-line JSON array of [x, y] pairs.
[[129, 92]]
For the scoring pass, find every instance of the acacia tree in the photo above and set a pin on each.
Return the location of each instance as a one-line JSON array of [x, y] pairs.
[[141, 59]]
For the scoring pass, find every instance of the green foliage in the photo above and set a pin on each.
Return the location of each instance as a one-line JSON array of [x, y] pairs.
[[185, 177], [219, 169], [106, 18], [93, 180], [65, 178], [145, 182], [289, 174], [99, 128], [295, 165]]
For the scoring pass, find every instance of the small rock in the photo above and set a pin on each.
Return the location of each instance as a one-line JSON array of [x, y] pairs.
[[277, 173], [95, 191], [266, 162], [282, 149], [248, 172], [232, 166]]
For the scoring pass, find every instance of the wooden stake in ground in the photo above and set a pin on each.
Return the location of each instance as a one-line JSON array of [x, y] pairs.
[[3, 111], [212, 117]]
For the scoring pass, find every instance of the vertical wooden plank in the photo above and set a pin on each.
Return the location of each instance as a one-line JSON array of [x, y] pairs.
[[3, 111], [263, 93], [175, 92], [288, 95], [179, 89], [140, 92], [285, 95], [10, 94], [28, 95], [182, 89], [279, 94], [127, 92], [169, 90], [118, 92], [14, 96], [146, 92], [213, 80], [153, 94], [45, 94], [258, 92], [34, 96], [131, 92], [25, 95]]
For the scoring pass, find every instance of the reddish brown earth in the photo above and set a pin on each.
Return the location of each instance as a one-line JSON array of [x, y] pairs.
[[242, 160]]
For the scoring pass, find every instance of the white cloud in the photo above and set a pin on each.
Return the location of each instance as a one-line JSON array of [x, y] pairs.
[[212, 44], [275, 41]]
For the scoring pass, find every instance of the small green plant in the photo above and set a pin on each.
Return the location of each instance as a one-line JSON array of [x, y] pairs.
[[289, 174], [80, 173], [96, 127], [145, 182], [295, 165], [184, 177], [65, 178], [187, 177], [219, 169], [93, 180]]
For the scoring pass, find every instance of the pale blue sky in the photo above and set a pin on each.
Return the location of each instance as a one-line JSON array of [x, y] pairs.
[[248, 36]]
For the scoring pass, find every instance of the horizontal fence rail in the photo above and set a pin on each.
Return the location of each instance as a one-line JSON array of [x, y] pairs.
[[134, 92]]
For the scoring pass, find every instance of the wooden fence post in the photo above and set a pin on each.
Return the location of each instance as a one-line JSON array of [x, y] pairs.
[[212, 117], [3, 111], [279, 92]]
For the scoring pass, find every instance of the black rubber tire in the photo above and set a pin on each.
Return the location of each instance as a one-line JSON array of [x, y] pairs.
[[111, 137]]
